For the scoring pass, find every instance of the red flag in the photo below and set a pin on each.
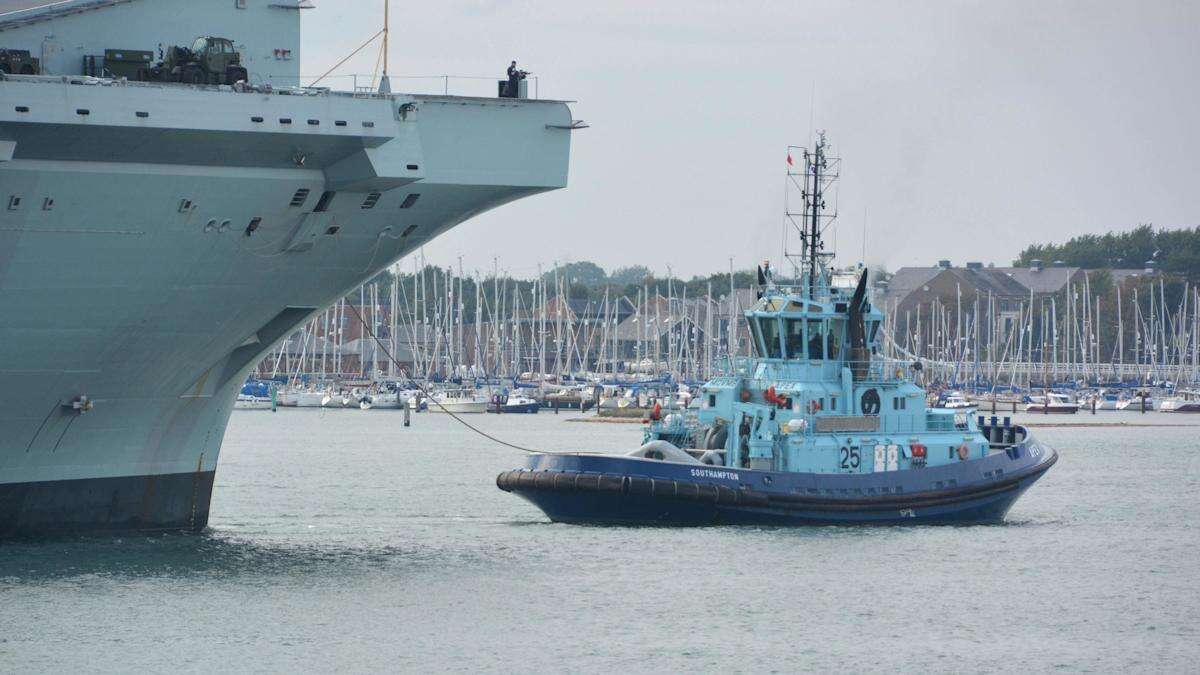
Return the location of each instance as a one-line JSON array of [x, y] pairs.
[[790, 159]]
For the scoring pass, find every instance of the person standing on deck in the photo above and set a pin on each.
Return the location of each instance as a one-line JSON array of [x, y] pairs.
[[515, 75]]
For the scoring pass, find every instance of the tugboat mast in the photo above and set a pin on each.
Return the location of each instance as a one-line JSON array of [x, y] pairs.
[[814, 205], [813, 181]]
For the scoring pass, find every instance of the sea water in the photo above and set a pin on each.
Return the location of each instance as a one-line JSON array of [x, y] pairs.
[[342, 540]]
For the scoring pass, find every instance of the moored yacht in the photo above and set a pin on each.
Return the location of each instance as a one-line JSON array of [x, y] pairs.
[[1185, 401], [1052, 403]]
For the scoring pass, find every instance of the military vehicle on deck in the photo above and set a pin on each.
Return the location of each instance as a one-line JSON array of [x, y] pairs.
[[18, 62], [210, 60]]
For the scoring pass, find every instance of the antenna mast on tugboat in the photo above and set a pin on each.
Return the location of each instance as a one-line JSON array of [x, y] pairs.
[[812, 180]]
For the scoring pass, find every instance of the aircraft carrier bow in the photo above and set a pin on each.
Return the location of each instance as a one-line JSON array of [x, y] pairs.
[[158, 237]]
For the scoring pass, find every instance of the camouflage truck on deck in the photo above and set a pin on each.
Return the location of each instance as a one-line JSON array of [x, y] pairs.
[[210, 60], [18, 62]]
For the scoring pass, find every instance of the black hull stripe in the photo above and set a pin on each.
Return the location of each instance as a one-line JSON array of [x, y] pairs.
[[106, 505], [558, 481]]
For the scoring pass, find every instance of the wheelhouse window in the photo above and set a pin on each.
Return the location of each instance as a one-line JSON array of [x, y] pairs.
[[794, 338], [756, 337], [769, 326], [834, 340], [816, 339]]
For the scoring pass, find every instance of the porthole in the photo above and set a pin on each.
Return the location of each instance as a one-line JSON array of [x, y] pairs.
[[224, 225], [210, 225]]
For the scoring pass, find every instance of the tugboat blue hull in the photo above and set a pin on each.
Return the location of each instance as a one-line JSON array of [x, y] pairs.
[[619, 490]]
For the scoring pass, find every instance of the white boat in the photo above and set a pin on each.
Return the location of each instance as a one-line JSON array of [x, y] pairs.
[[1054, 404], [459, 402], [682, 399], [251, 402], [1135, 404], [956, 400], [1106, 400], [383, 400], [1183, 402], [305, 398]]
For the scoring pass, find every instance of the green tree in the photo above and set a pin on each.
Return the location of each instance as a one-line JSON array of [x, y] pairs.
[[582, 272], [634, 274]]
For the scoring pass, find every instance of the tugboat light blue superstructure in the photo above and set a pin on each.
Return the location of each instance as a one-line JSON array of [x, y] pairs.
[[815, 428]]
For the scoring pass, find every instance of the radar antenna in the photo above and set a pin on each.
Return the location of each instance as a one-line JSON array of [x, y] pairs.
[[808, 183]]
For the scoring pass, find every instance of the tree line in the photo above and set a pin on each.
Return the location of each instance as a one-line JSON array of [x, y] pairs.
[[1174, 252]]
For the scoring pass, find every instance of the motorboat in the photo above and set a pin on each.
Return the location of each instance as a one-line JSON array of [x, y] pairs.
[[1186, 401], [1052, 403], [514, 403], [459, 402], [955, 400]]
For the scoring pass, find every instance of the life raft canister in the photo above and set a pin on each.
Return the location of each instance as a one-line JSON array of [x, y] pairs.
[[963, 451]]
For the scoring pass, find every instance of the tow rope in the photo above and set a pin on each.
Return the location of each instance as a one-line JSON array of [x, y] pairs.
[[388, 354]]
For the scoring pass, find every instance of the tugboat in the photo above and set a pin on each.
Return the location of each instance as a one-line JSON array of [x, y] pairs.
[[816, 428]]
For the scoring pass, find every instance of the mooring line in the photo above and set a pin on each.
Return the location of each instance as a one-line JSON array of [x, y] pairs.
[[458, 419]]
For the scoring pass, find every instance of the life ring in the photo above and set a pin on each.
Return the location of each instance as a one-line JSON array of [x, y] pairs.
[[963, 451], [814, 406], [769, 395]]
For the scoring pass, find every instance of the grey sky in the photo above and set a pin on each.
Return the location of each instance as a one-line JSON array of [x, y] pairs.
[[967, 129]]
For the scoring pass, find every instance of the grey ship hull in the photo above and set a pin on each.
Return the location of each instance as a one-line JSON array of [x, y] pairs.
[[127, 276]]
